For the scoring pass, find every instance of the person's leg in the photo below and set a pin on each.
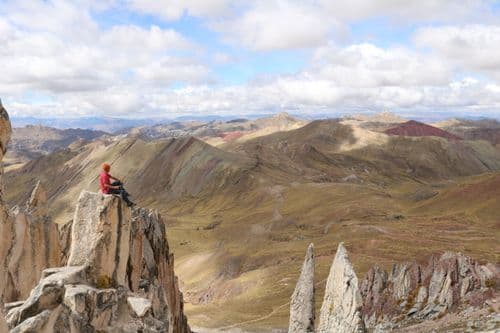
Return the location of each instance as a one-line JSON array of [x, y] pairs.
[[113, 191], [122, 193], [125, 198], [126, 195]]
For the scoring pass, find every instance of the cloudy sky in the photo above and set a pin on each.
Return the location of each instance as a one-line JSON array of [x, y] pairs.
[[165, 58]]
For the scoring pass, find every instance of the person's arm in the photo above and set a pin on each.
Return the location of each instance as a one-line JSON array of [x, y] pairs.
[[115, 178], [111, 187]]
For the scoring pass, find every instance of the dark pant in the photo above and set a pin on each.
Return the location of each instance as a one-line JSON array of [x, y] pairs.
[[121, 192]]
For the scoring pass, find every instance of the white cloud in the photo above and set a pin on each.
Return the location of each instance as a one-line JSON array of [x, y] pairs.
[[175, 9], [285, 93], [278, 25], [222, 58], [167, 69], [130, 38], [410, 10], [62, 18], [55, 49], [366, 65], [474, 47], [51, 56]]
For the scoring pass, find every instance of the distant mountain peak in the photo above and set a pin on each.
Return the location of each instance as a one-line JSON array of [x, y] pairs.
[[282, 115]]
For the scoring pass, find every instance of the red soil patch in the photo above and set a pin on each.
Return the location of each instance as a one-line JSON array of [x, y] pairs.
[[230, 136], [415, 128]]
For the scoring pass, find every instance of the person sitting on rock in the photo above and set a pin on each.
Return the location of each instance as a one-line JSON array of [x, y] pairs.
[[112, 188]]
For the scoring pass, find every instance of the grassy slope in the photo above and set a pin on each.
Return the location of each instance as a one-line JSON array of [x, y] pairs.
[[324, 214]]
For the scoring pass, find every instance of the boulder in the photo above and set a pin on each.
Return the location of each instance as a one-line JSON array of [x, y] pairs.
[[48, 294], [341, 309], [302, 312]]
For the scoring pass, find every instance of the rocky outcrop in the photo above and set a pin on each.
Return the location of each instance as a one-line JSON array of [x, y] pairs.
[[341, 309], [100, 238], [119, 276], [407, 299], [5, 130], [32, 244], [302, 312], [417, 292], [152, 268]]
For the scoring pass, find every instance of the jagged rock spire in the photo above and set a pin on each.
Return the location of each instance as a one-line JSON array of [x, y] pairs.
[[302, 314], [37, 203], [341, 309], [38, 196]]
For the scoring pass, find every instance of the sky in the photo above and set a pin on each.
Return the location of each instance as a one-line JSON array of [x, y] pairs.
[[170, 58]]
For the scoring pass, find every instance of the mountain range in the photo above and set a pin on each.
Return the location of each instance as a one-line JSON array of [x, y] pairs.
[[240, 209]]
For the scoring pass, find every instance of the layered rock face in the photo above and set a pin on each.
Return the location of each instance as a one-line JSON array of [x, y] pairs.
[[419, 292], [409, 295], [341, 309], [119, 277], [302, 313], [32, 241]]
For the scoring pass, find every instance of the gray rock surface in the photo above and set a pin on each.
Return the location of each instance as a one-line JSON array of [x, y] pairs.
[[139, 305], [341, 309], [100, 238], [302, 312]]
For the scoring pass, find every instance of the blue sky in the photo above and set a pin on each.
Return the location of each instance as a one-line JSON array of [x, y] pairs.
[[168, 58]]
